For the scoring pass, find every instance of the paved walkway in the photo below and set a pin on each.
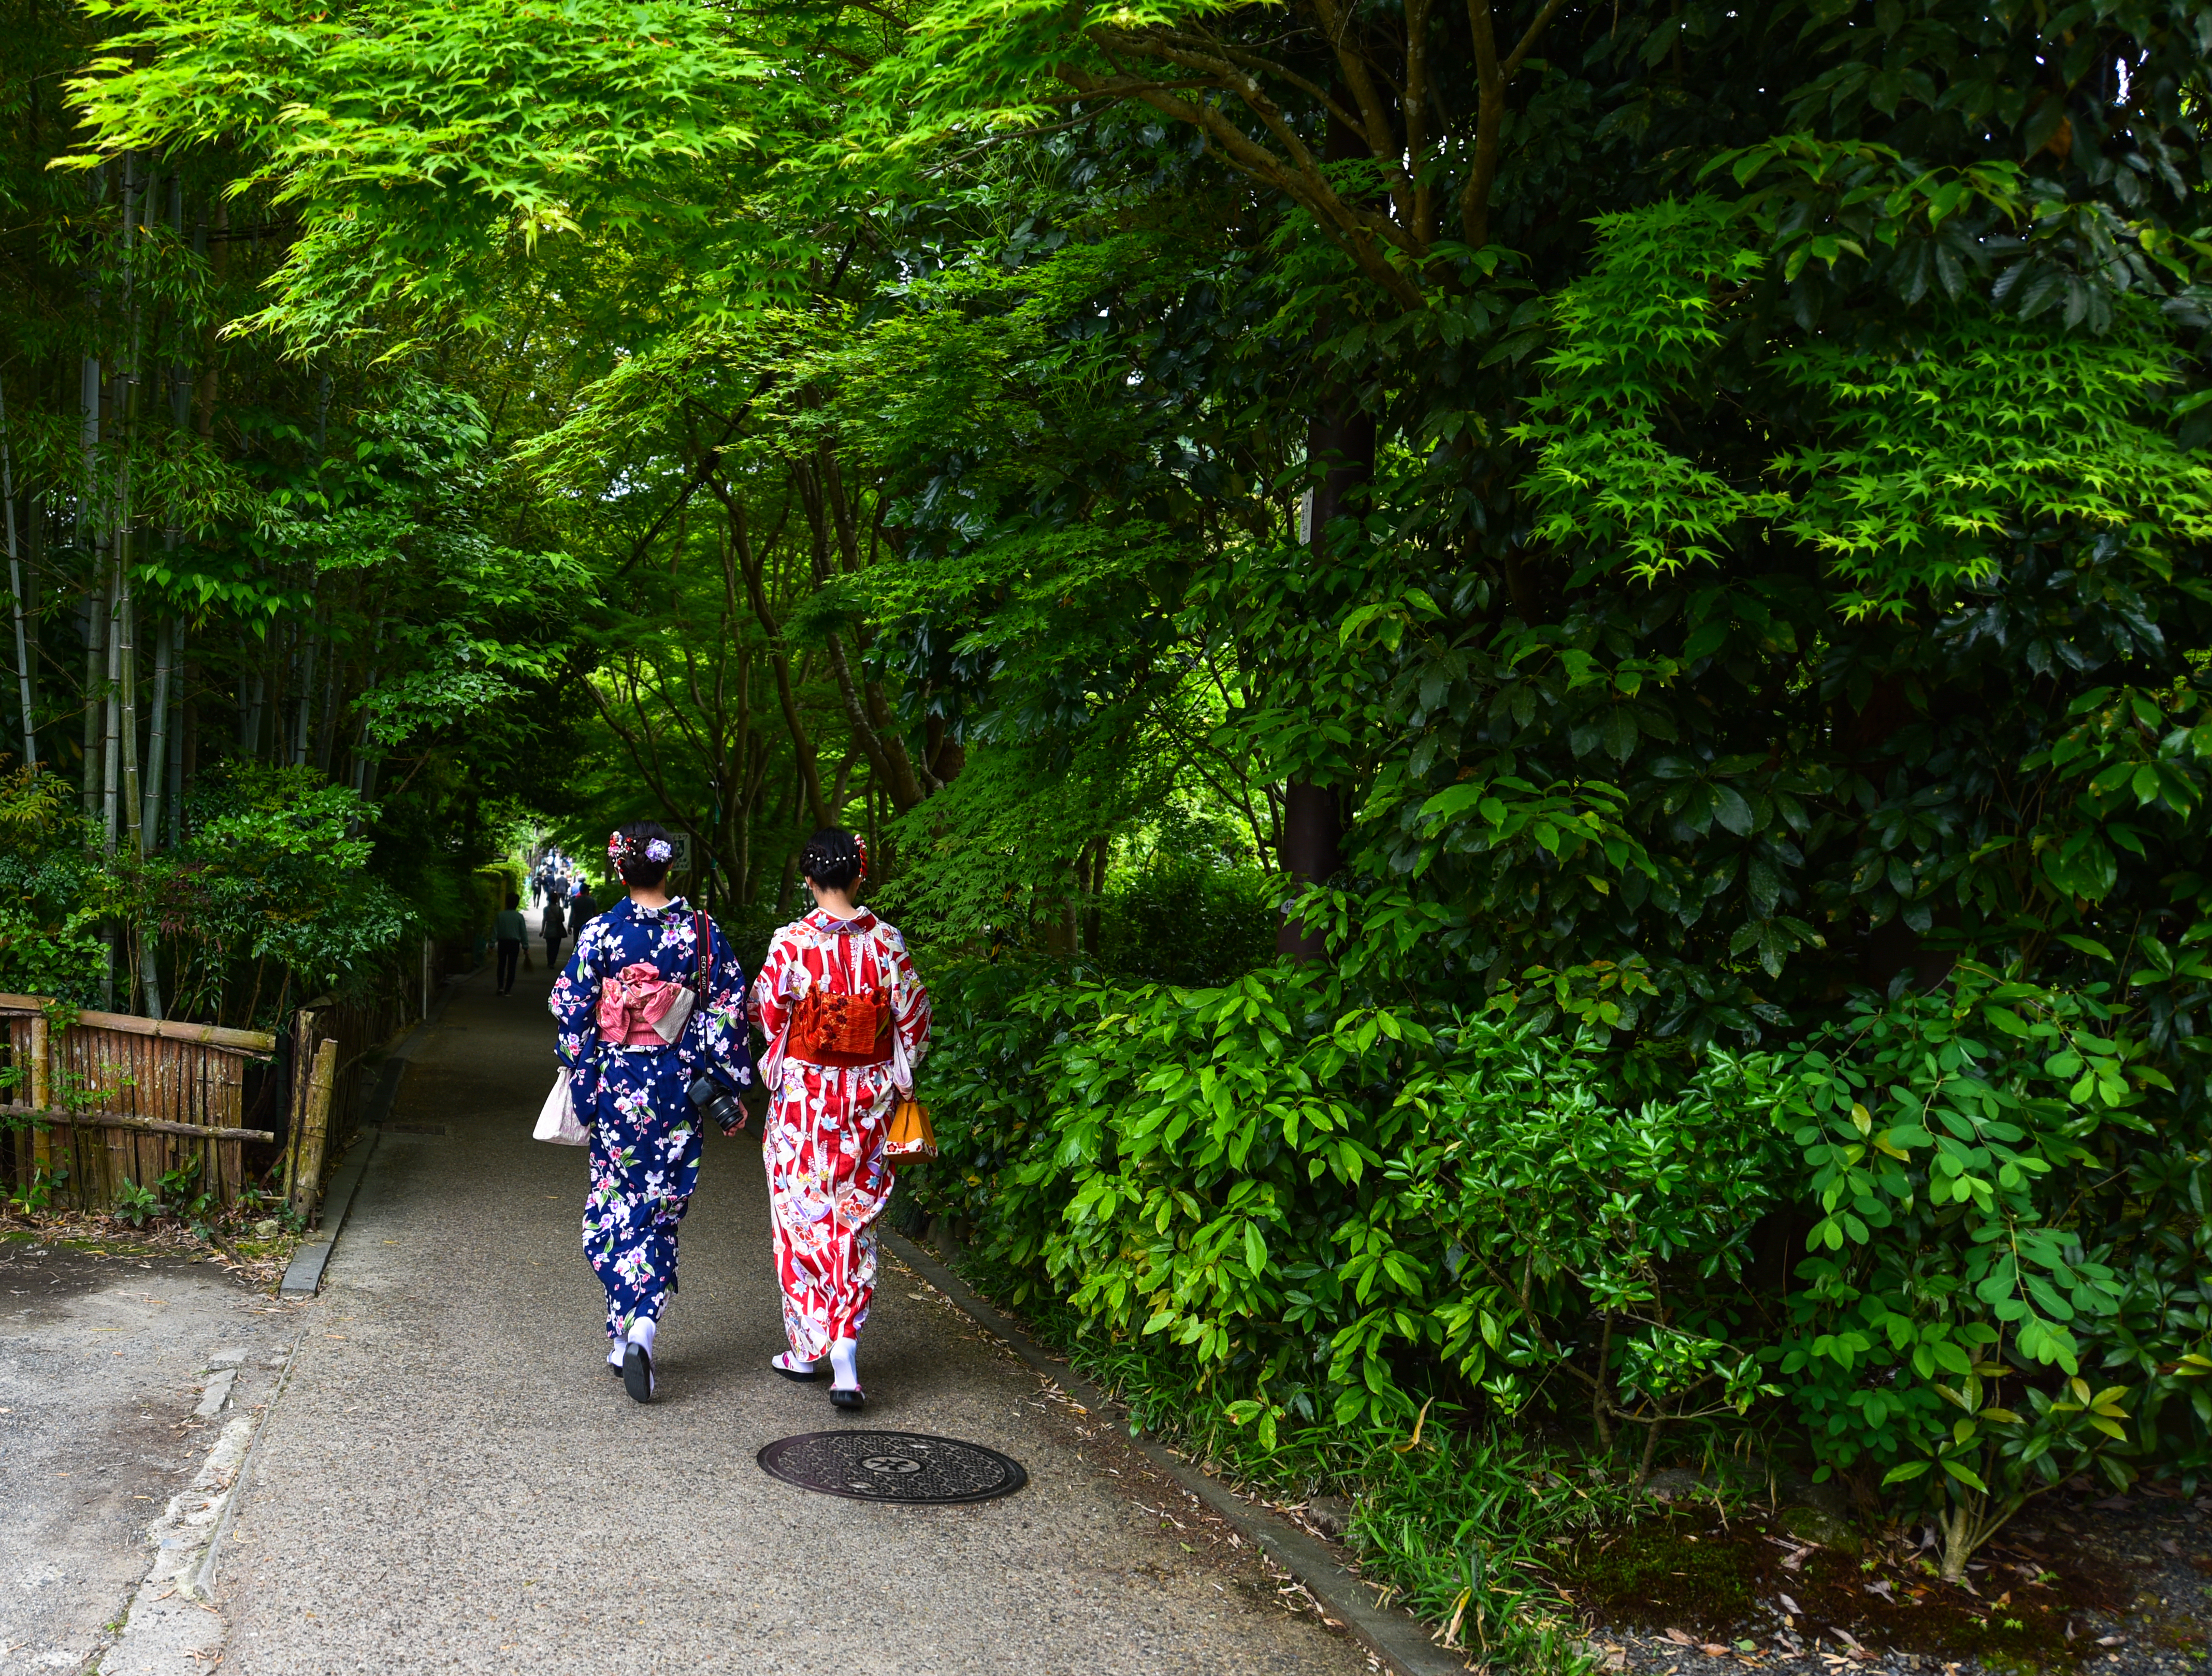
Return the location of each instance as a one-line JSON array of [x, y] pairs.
[[102, 1361], [454, 1481]]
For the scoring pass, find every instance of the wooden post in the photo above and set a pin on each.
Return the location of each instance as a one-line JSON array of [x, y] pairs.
[[42, 1144], [303, 1037], [314, 1130]]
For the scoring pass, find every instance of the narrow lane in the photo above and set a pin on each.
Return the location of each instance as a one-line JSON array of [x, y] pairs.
[[455, 1481]]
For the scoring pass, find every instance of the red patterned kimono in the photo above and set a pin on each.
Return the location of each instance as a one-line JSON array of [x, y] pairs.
[[828, 1178]]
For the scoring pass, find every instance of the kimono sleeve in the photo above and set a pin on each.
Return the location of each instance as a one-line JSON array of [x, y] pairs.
[[910, 1010], [725, 1043], [771, 1005], [576, 994]]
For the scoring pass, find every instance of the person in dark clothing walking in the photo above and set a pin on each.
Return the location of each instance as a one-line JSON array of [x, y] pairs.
[[508, 927], [552, 930]]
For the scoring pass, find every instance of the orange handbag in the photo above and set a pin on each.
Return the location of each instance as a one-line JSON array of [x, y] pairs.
[[909, 1135]]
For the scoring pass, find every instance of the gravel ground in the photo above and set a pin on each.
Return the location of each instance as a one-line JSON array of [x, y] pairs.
[[103, 1354], [454, 1481]]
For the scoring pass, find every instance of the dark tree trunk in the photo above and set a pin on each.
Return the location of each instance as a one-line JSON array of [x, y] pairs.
[[1311, 835], [1341, 445], [947, 756]]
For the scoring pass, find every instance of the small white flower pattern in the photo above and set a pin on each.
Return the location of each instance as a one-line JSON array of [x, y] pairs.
[[644, 1137]]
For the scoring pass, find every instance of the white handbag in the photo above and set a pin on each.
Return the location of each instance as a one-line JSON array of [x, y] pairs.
[[556, 1117]]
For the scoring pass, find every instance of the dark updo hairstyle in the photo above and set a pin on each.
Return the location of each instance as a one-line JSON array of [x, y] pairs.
[[635, 870], [832, 857]]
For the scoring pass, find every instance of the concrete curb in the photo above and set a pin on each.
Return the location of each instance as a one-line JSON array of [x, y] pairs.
[[169, 1631], [303, 1275], [203, 1580], [1394, 1637]]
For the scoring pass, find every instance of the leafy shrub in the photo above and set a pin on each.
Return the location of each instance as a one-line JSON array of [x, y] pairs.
[[62, 957], [49, 943], [1334, 1211], [1183, 919], [1325, 1203], [1965, 1264]]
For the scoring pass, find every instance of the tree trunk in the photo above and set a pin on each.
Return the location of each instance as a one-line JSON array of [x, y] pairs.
[[1312, 834], [749, 563], [1340, 447], [947, 756], [1957, 1522]]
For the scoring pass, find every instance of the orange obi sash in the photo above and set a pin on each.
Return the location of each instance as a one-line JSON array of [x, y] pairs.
[[847, 1030]]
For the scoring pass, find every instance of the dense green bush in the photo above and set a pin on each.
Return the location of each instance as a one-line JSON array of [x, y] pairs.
[[266, 897], [1186, 920], [49, 940], [1979, 1203]]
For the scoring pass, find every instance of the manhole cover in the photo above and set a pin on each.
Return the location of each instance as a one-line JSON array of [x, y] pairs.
[[892, 1467]]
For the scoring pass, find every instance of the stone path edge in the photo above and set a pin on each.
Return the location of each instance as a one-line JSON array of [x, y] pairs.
[[303, 1275], [1396, 1637], [203, 1576]]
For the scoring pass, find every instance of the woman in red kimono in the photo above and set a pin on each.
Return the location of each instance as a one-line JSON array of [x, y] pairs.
[[846, 1022]]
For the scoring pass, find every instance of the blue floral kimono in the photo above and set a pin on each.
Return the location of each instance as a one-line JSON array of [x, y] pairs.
[[634, 1099]]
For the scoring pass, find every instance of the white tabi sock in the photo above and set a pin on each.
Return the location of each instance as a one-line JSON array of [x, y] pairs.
[[844, 1364], [642, 1331], [792, 1364], [615, 1352]]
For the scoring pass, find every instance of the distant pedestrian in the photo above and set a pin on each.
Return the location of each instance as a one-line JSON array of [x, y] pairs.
[[642, 1045], [846, 1022], [508, 927], [549, 927]]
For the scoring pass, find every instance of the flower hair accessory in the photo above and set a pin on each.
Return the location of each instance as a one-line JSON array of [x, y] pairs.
[[620, 849], [861, 845]]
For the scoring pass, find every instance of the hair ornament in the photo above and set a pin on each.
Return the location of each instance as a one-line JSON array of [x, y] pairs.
[[659, 849], [861, 845], [618, 849]]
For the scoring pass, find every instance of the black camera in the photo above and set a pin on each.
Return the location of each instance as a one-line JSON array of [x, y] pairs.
[[718, 1108]]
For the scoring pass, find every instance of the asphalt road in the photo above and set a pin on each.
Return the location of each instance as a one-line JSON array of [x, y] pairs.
[[102, 1364], [454, 1481]]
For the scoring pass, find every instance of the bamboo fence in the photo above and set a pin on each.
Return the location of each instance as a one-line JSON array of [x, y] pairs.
[[115, 1099]]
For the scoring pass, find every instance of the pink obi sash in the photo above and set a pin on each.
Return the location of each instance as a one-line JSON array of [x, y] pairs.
[[639, 1008]]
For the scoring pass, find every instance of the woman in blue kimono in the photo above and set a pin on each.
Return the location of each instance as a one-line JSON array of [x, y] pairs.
[[637, 1037]]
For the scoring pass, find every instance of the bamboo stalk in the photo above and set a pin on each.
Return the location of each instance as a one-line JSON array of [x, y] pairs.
[[144, 1125], [15, 588], [210, 1035], [42, 1154], [303, 1034]]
